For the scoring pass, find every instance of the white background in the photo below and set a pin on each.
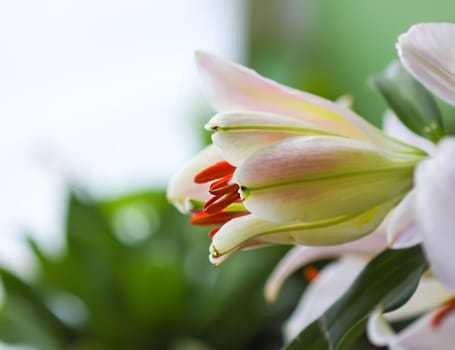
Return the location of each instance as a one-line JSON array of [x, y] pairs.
[[100, 93]]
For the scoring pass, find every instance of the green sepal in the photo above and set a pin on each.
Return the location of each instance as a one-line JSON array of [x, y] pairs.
[[410, 101]]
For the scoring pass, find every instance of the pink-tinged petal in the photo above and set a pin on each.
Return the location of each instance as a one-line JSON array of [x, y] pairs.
[[427, 51], [247, 230], [302, 255], [232, 87], [392, 126], [332, 282], [240, 134], [401, 230], [430, 294], [435, 201], [318, 177], [182, 187]]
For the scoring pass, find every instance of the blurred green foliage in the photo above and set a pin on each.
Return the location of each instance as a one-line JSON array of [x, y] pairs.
[[331, 47], [135, 275]]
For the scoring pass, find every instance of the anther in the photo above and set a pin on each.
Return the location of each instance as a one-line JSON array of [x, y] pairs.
[[446, 309], [214, 172], [204, 219], [310, 273], [217, 205], [214, 231], [220, 190], [221, 182]]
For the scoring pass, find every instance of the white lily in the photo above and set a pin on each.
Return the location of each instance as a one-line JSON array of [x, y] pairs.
[[427, 51], [302, 255], [421, 216], [335, 279], [329, 284], [427, 215], [287, 166], [432, 331]]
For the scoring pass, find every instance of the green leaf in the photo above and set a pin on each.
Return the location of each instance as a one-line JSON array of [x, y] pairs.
[[25, 318], [410, 101], [388, 281]]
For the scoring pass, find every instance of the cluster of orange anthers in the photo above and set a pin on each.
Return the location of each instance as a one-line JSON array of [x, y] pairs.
[[448, 307], [224, 192]]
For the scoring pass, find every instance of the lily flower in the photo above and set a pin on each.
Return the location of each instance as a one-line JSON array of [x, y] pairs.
[[287, 167], [427, 214], [329, 284], [427, 51], [433, 331]]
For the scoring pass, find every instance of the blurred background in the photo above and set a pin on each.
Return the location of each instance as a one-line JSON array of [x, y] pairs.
[[100, 104]]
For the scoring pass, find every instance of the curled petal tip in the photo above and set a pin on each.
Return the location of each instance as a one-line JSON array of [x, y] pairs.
[[216, 258], [214, 252], [378, 330]]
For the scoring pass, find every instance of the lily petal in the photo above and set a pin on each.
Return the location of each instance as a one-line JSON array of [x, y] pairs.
[[302, 255], [182, 187], [435, 193], [430, 294], [240, 232], [392, 126], [240, 134], [401, 230], [332, 282], [379, 331], [427, 52], [422, 335], [318, 177], [419, 335], [232, 87]]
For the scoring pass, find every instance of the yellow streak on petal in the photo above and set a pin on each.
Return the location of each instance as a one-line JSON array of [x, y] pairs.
[[364, 219]]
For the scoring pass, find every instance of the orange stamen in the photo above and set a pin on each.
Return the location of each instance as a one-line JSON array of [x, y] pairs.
[[310, 273], [214, 172], [219, 203], [214, 231], [446, 309], [221, 182], [223, 191], [204, 219], [217, 191]]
